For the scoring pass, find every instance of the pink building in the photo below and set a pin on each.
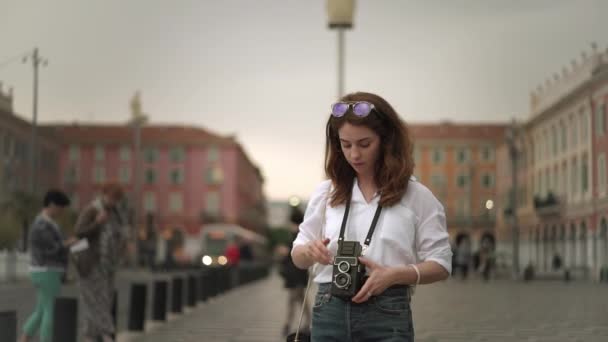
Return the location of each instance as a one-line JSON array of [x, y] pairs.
[[189, 176]]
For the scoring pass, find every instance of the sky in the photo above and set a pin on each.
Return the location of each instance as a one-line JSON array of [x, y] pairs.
[[266, 70]]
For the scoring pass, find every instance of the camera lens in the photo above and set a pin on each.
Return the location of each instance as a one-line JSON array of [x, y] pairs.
[[343, 266], [342, 280]]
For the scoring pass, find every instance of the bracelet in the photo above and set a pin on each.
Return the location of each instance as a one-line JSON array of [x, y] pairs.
[[417, 273]]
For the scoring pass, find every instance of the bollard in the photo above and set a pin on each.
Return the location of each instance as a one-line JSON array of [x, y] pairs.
[[8, 325], [137, 307], [203, 287], [177, 295], [66, 319], [192, 291], [159, 308]]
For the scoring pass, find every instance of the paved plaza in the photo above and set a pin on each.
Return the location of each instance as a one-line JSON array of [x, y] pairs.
[[451, 311]]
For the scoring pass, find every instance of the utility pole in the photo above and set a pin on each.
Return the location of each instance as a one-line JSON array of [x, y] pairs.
[[37, 60]]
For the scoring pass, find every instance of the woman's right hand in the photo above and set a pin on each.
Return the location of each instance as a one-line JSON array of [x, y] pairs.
[[316, 251], [102, 217]]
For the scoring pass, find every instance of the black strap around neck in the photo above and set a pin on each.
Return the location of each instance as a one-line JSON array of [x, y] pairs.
[[368, 239]]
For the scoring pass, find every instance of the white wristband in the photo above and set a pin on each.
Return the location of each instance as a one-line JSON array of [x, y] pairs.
[[417, 273]]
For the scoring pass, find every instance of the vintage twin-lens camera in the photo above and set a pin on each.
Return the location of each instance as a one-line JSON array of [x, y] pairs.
[[348, 271]]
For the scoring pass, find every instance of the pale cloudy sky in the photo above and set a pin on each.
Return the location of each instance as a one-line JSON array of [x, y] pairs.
[[265, 70]]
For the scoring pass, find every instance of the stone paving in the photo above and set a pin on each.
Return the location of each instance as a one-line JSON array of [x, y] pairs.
[[455, 310]]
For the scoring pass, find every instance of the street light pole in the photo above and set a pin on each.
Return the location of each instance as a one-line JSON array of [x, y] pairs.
[[512, 135], [36, 62], [340, 14], [138, 119]]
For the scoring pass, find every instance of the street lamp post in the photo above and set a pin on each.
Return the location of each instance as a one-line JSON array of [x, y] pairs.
[[511, 138], [138, 119], [340, 15], [36, 62]]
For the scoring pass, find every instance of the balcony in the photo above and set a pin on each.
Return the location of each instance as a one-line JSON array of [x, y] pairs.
[[550, 205]]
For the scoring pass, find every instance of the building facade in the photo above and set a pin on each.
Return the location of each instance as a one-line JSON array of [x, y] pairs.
[[457, 162], [15, 147], [561, 159], [188, 176]]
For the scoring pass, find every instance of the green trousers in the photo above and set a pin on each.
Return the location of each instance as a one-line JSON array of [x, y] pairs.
[[47, 285]]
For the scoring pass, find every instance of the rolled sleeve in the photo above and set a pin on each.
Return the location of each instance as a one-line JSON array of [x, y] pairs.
[[432, 239], [311, 227]]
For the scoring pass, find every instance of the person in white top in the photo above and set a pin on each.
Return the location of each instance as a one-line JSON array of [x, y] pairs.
[[369, 163]]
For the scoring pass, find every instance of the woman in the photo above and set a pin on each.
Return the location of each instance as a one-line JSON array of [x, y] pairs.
[[104, 228], [48, 261], [368, 160]]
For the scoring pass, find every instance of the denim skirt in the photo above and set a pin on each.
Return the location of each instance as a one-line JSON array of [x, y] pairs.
[[386, 317]]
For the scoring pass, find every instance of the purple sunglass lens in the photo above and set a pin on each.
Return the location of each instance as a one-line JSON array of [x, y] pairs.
[[362, 108], [339, 109]]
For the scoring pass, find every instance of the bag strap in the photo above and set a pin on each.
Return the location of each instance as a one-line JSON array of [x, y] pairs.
[[314, 267]]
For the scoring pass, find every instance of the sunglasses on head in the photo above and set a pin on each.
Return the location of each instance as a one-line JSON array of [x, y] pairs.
[[359, 108]]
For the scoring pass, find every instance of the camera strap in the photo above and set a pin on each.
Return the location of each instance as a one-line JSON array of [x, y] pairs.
[[368, 239]]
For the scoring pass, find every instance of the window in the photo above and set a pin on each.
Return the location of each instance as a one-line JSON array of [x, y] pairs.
[[600, 120], [564, 187], [99, 174], [416, 155], [214, 175], [556, 186], [574, 177], [74, 153], [176, 154], [99, 153], [175, 202], [602, 177], [462, 181], [574, 131], [150, 155], [554, 142], [125, 153], [564, 136], [177, 176], [487, 180], [584, 126], [71, 174], [487, 153], [213, 154], [584, 176], [438, 180], [546, 146], [149, 202], [463, 208], [437, 155], [547, 182], [150, 176], [124, 174], [75, 201], [462, 155], [212, 204]]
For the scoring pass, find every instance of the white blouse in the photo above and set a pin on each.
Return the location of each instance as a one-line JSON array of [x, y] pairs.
[[412, 231]]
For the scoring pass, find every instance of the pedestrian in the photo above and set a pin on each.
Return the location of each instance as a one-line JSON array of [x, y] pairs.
[[294, 279], [48, 262], [371, 205], [233, 252], [104, 227], [463, 257]]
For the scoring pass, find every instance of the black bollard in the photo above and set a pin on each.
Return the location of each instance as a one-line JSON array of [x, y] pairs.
[[8, 325], [192, 291], [202, 287], [177, 295], [137, 307], [159, 308], [66, 320]]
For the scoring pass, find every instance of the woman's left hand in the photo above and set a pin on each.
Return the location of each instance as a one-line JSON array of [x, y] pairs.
[[380, 278]]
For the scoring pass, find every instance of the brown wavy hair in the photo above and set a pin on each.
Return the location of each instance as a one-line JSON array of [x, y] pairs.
[[395, 163]]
